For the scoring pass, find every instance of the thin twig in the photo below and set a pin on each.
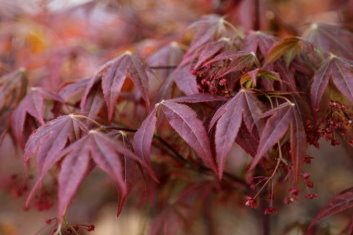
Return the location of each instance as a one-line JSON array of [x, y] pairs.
[[163, 67]]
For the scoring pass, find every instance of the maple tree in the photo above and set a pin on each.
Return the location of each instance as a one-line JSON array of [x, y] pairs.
[[163, 123]]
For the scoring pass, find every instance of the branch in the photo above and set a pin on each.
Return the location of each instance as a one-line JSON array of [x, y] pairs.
[[163, 67], [178, 157]]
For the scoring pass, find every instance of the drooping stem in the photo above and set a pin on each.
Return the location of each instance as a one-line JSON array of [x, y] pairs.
[[266, 225]]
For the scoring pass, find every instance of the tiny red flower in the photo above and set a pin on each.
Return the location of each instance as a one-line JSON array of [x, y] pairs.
[[270, 211]]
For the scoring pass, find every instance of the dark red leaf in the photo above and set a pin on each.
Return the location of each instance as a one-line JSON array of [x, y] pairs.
[[227, 128], [341, 73], [33, 105], [209, 28], [258, 41], [288, 47], [236, 61], [73, 170], [276, 126], [198, 98], [13, 87], [339, 203], [185, 81], [106, 155], [185, 122], [144, 135], [298, 145], [166, 58], [342, 76], [73, 92], [112, 77], [331, 38], [48, 141]]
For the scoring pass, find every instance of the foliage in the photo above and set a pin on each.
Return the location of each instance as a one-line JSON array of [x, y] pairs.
[[163, 124]]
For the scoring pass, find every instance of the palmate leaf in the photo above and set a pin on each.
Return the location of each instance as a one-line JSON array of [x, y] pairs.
[[298, 144], [72, 92], [48, 141], [331, 38], [258, 42], [251, 78], [166, 58], [110, 80], [71, 137], [207, 52], [198, 98], [209, 28], [341, 73], [236, 61], [242, 108], [183, 75], [227, 128], [339, 203], [144, 135], [33, 105], [106, 154], [13, 87], [288, 47], [275, 128], [285, 116], [185, 80], [74, 168], [184, 121]]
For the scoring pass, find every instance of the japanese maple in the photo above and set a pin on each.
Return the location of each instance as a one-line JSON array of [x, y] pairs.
[[164, 124]]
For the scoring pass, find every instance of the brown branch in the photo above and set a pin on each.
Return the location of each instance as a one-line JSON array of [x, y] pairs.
[[163, 67]]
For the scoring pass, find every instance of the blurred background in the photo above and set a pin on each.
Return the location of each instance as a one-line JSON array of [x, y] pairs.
[[61, 41]]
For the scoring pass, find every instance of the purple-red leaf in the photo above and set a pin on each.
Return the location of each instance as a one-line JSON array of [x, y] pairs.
[[185, 122], [320, 82], [288, 47], [275, 128], [185, 81], [165, 60], [107, 157], [73, 92], [209, 28], [342, 76], [331, 38], [298, 145], [227, 128], [112, 77], [258, 41], [73, 170], [33, 105], [105, 152], [13, 87], [341, 73], [144, 135], [244, 107], [198, 98], [48, 141], [339, 203], [232, 61]]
